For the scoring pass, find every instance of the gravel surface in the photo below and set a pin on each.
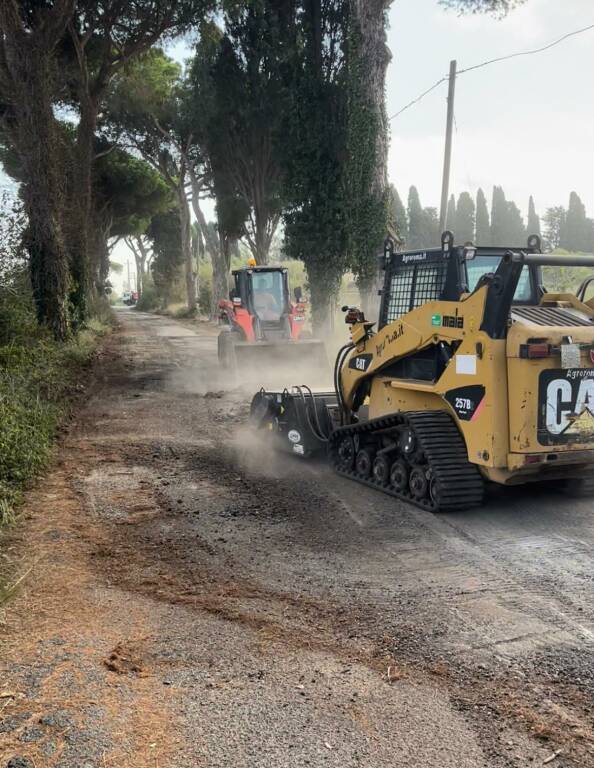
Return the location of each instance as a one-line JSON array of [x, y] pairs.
[[192, 599]]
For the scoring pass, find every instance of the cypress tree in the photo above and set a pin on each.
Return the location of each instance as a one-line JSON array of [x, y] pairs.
[[574, 233], [515, 231], [483, 225], [397, 215], [465, 214], [416, 220], [533, 218], [499, 217]]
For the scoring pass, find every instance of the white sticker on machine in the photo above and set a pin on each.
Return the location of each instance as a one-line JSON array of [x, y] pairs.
[[466, 364]]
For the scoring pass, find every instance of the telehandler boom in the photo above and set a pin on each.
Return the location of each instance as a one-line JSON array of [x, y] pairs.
[[476, 373]]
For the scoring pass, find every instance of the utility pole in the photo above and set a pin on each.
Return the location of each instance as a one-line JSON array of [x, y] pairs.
[[447, 162], [129, 286]]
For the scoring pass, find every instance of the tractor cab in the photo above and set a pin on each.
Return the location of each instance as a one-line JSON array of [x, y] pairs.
[[264, 293], [260, 305], [262, 326]]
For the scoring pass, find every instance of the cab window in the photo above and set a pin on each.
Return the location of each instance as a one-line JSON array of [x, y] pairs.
[[483, 265], [268, 295]]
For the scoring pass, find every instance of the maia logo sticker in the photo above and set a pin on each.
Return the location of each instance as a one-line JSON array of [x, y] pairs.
[[447, 321]]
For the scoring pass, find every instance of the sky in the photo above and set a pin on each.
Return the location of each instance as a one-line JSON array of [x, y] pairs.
[[525, 124]]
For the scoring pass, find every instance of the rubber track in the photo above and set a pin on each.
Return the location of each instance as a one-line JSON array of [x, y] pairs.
[[461, 484]]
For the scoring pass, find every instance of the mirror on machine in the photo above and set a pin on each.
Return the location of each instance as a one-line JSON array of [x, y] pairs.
[[298, 294]]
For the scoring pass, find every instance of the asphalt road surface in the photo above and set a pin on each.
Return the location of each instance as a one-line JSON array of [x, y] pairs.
[[190, 599]]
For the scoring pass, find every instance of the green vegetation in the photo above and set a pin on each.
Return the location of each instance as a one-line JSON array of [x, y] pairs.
[[39, 376]]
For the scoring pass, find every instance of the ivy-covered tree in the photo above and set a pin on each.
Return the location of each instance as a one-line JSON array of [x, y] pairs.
[[366, 193], [315, 140], [465, 219], [533, 226], [483, 224], [30, 84], [165, 237]]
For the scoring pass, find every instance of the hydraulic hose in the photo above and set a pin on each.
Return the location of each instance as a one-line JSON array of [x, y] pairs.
[[340, 359]]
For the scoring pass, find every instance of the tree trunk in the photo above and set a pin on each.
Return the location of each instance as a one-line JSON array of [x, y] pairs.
[[27, 74], [323, 291], [218, 248], [221, 266], [81, 208], [191, 276], [369, 20], [36, 137]]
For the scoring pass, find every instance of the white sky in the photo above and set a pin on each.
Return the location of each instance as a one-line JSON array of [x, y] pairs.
[[525, 124]]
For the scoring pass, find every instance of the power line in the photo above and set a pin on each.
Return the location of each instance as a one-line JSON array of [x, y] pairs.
[[492, 61]]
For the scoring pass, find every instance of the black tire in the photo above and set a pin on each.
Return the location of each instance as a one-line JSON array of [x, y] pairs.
[[399, 476], [364, 463], [346, 454], [418, 483], [381, 470], [226, 351]]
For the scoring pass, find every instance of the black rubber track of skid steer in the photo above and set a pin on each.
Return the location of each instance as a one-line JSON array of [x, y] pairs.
[[461, 485]]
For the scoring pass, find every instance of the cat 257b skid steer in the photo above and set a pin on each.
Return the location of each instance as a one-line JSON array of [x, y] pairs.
[[476, 373]]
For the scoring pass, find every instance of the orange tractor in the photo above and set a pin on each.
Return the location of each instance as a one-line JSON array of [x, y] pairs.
[[262, 326]]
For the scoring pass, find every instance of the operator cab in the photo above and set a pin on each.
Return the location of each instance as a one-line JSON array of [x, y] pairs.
[[264, 293], [416, 278]]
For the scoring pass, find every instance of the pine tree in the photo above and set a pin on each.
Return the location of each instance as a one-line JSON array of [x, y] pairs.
[[451, 214], [483, 226], [574, 233], [465, 214], [499, 217], [533, 218], [397, 215], [416, 220]]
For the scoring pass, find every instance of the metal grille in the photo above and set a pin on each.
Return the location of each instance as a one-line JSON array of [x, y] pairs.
[[550, 316], [414, 286]]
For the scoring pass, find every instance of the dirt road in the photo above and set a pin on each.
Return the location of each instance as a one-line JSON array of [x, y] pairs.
[[190, 600]]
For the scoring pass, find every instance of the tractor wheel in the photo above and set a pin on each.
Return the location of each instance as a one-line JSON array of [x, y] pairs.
[[226, 351]]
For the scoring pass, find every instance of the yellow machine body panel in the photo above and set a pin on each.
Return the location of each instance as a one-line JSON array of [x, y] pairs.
[[516, 415]]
